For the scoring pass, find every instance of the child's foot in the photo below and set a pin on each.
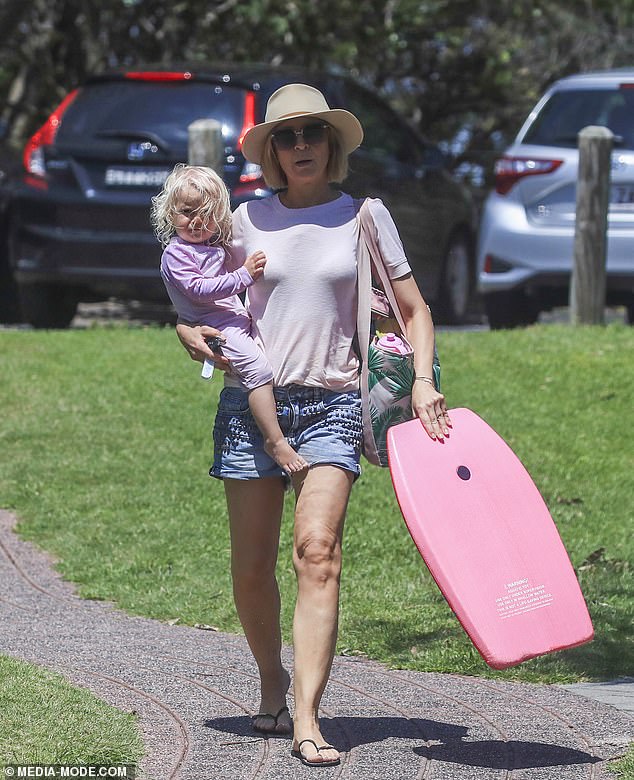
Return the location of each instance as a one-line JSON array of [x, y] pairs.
[[285, 456]]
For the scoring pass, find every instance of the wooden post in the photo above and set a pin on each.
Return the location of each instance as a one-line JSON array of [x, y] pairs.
[[587, 285], [206, 146]]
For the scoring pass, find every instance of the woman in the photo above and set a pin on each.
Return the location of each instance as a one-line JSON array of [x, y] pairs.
[[304, 312]]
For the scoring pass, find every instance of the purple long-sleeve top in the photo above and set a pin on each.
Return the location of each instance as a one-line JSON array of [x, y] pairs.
[[199, 285]]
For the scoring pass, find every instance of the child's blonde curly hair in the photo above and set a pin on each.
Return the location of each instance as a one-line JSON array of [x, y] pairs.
[[215, 207]]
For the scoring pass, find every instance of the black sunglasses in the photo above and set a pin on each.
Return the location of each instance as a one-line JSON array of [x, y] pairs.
[[286, 138]]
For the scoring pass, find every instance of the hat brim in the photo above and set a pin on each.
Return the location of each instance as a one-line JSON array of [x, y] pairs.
[[346, 124]]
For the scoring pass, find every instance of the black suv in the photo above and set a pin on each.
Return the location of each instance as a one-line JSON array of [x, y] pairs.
[[77, 219]]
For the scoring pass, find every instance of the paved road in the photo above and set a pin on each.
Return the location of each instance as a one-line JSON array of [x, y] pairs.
[[617, 693], [194, 691], [138, 314]]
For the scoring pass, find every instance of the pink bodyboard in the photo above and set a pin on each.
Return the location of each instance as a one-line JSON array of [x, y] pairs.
[[488, 539]]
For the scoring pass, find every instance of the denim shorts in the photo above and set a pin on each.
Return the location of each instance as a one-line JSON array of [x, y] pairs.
[[324, 426]]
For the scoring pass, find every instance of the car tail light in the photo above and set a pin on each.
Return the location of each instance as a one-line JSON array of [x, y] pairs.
[[152, 75], [250, 172], [251, 175], [509, 170], [495, 265], [252, 184], [34, 150], [249, 116]]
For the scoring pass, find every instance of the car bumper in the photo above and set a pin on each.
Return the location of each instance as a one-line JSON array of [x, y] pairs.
[[103, 247], [108, 264], [514, 253]]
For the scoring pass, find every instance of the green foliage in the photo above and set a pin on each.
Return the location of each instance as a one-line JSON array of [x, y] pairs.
[[450, 65], [105, 442]]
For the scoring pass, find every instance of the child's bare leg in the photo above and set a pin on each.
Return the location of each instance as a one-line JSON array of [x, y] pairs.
[[262, 405]]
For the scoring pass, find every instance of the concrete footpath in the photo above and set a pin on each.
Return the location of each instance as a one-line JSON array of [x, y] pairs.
[[194, 692]]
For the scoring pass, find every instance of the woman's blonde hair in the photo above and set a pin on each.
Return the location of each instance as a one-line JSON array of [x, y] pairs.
[[214, 208], [337, 169]]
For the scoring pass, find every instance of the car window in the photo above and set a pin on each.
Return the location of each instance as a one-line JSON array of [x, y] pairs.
[[568, 112], [166, 109], [383, 133]]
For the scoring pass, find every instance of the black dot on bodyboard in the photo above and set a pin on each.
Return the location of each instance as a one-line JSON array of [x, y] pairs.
[[463, 472]]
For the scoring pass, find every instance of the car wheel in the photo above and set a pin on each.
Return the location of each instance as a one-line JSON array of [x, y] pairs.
[[47, 305], [510, 309], [10, 311], [456, 285]]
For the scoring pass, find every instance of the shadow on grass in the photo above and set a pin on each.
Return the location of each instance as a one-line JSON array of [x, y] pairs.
[[352, 732], [609, 655], [396, 636], [444, 647]]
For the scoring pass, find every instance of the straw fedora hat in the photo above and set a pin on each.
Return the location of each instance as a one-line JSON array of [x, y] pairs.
[[299, 100]]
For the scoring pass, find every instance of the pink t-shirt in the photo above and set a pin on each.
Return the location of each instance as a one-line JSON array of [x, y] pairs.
[[304, 307]]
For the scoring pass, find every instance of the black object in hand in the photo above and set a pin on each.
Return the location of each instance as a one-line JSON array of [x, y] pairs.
[[215, 344]]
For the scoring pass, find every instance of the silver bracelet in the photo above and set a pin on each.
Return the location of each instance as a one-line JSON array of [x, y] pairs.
[[427, 379]]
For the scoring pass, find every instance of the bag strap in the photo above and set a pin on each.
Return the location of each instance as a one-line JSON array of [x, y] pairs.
[[368, 257], [364, 290], [369, 245], [367, 235]]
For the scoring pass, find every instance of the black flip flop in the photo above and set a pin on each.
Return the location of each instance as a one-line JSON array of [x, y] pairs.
[[275, 719], [298, 754]]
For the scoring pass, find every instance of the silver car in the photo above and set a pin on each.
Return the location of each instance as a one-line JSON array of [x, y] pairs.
[[525, 250]]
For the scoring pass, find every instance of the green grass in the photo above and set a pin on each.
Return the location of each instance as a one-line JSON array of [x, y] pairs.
[[105, 441], [624, 767], [47, 721]]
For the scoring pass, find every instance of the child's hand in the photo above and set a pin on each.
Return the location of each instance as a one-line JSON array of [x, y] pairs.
[[255, 264]]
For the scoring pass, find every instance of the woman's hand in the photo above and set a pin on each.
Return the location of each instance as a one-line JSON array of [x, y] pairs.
[[427, 403], [430, 408], [193, 338]]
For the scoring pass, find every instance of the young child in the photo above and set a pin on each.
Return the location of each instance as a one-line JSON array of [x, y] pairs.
[[192, 219]]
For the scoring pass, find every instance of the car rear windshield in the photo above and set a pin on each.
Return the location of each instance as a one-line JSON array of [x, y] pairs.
[[568, 112], [160, 110]]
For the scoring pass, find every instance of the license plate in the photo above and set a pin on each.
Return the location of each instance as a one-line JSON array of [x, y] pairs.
[[135, 177], [622, 196]]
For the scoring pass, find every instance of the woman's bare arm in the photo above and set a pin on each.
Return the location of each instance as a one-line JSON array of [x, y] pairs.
[[193, 338], [427, 403]]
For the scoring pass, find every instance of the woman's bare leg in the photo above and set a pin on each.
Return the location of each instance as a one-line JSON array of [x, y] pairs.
[[322, 498], [255, 512]]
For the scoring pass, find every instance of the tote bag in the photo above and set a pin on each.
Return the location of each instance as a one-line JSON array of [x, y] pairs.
[[386, 378]]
